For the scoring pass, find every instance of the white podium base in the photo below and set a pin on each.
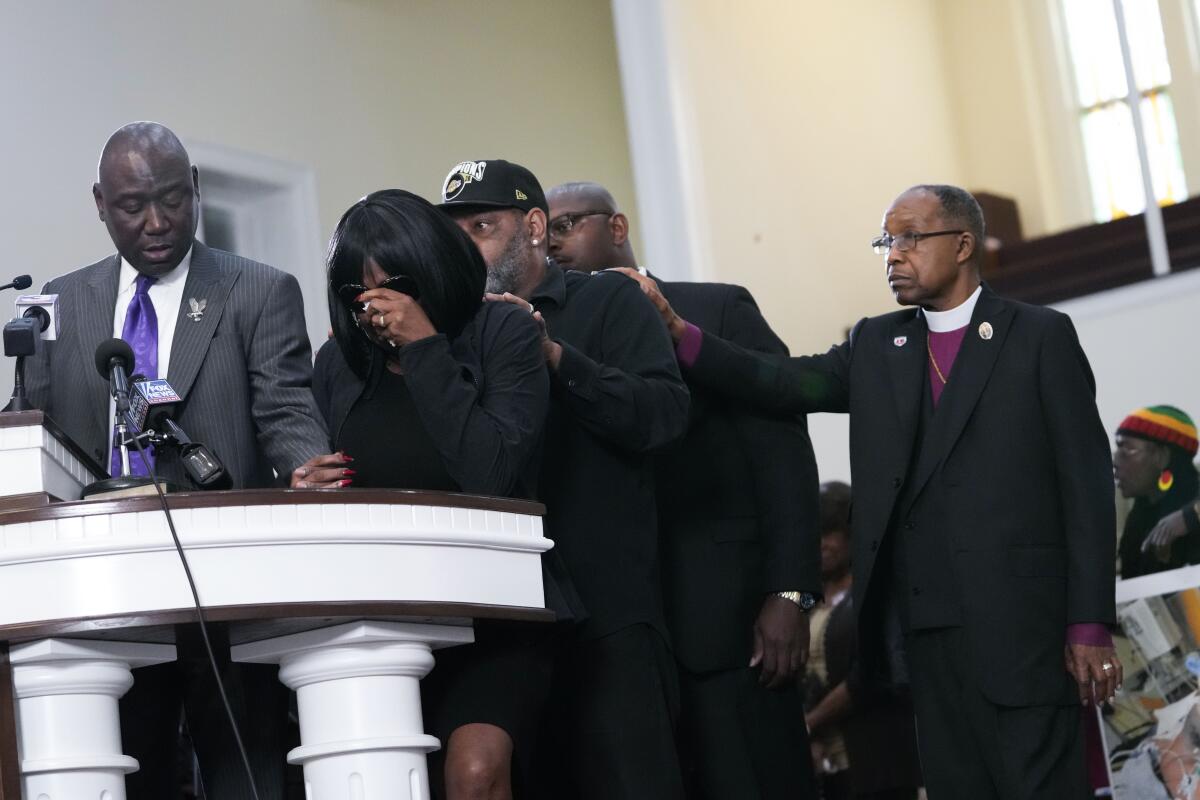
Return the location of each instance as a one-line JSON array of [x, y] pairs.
[[358, 692], [67, 717]]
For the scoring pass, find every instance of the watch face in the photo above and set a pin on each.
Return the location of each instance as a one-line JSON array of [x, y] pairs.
[[808, 601]]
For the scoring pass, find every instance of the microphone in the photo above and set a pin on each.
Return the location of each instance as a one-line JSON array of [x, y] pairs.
[[20, 283], [114, 360], [45, 308], [152, 407], [35, 320], [151, 400]]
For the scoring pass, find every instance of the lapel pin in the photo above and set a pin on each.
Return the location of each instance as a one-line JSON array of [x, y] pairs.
[[198, 307], [900, 341], [985, 330]]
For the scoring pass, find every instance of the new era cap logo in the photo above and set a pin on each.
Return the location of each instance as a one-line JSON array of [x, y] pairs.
[[460, 176], [521, 195]]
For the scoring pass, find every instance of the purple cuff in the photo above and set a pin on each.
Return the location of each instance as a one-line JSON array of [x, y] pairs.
[[688, 349], [1090, 633]]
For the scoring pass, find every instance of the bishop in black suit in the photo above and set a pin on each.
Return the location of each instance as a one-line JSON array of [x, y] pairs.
[[983, 519]]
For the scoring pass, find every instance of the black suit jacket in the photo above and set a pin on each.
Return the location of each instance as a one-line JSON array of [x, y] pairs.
[[616, 398], [1015, 474], [737, 500]]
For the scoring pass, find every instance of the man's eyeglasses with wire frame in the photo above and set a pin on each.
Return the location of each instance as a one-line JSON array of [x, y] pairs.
[[563, 224], [905, 241]]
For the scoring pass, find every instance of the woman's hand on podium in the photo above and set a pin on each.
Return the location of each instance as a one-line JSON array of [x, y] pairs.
[[323, 472]]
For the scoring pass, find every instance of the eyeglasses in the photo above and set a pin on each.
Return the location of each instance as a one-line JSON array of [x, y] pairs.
[[348, 293], [905, 241], [562, 225]]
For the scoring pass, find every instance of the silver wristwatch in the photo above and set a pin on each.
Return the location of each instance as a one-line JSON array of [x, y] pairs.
[[807, 601]]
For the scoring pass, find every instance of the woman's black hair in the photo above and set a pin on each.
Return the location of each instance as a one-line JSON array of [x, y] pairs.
[[405, 235]]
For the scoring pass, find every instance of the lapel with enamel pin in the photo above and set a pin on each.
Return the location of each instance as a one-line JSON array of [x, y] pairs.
[[205, 292], [905, 353], [197, 308]]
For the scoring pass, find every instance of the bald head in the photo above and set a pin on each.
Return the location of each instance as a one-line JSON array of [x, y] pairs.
[[140, 140], [585, 191], [147, 194], [587, 230]]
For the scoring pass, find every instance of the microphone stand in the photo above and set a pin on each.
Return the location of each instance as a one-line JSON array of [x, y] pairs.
[[124, 482], [18, 401], [20, 340]]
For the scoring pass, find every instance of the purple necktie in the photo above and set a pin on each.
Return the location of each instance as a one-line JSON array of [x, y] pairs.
[[141, 332]]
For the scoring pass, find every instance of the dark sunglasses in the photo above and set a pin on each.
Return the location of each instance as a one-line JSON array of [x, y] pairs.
[[348, 293]]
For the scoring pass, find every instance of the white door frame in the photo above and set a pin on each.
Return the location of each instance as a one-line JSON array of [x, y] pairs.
[[284, 195]]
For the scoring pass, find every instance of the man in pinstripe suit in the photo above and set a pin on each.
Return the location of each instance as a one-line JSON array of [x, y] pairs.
[[231, 340]]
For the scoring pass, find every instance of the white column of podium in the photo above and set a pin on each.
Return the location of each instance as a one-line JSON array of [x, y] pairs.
[[67, 718], [358, 692]]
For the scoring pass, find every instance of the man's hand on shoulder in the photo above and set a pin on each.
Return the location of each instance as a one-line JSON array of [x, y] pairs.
[[780, 641], [323, 472], [551, 349], [676, 325]]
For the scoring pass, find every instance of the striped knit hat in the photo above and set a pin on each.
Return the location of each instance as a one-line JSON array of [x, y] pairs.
[[1165, 424]]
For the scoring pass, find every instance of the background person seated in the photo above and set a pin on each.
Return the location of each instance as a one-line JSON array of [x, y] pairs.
[[864, 741], [1153, 466]]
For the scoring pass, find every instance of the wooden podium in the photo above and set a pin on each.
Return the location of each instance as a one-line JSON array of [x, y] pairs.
[[349, 591]]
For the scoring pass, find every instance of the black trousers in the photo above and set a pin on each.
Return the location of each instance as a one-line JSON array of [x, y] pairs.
[[740, 739], [971, 747], [610, 727], [150, 714]]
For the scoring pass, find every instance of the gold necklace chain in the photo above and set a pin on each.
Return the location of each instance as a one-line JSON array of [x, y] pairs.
[[933, 361]]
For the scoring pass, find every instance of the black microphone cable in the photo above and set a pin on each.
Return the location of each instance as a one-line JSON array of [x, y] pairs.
[[212, 659]]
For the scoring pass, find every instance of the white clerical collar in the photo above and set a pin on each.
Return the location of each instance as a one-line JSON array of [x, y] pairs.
[[955, 318], [177, 275]]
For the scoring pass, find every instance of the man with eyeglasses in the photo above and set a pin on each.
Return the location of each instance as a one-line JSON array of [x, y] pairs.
[[737, 510], [616, 397], [983, 521]]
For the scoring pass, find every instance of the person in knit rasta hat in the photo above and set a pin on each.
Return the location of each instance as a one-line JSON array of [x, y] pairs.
[[1153, 465]]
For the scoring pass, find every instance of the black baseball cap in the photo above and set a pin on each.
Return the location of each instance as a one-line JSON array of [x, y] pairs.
[[494, 182]]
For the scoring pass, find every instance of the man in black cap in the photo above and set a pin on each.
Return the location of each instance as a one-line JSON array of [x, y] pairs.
[[616, 395], [737, 507]]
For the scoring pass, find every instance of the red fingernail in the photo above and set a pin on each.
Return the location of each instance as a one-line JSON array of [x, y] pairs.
[[344, 484], [346, 459], [349, 472]]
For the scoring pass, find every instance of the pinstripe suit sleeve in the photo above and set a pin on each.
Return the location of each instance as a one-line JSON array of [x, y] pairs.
[[279, 360]]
